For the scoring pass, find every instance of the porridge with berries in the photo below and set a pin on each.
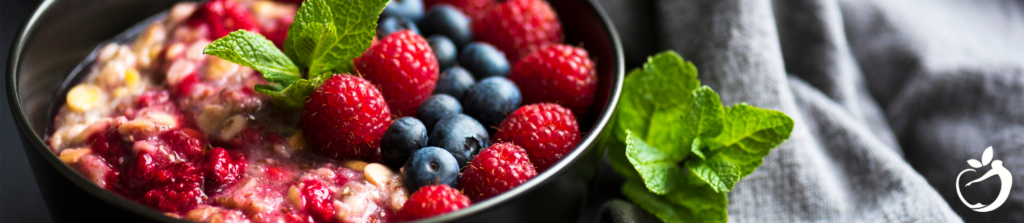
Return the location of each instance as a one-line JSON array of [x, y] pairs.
[[288, 111]]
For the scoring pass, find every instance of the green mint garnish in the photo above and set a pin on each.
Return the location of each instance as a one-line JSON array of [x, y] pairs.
[[684, 151], [253, 50], [292, 95], [323, 39], [327, 34]]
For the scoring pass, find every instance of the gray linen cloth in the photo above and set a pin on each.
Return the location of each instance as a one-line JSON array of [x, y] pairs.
[[890, 99]]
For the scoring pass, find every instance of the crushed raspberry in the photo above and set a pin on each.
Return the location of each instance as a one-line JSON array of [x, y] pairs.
[[317, 199], [185, 145], [222, 169]]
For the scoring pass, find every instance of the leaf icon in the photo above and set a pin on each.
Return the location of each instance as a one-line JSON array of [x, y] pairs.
[[974, 163], [986, 157]]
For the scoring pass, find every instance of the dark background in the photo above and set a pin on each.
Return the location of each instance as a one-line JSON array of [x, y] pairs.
[[20, 200]]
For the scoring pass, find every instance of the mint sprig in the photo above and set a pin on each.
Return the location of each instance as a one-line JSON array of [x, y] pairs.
[[322, 40], [683, 150], [253, 50]]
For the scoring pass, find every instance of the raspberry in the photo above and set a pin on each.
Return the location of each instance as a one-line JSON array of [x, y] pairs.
[[546, 131], [405, 69], [432, 201], [140, 173], [475, 9], [317, 200], [558, 74], [148, 172], [518, 27], [184, 145], [177, 198], [345, 118], [495, 170], [109, 146], [223, 17], [222, 169]]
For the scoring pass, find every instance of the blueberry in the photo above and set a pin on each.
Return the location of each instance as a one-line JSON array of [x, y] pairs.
[[455, 82], [438, 107], [394, 24], [491, 100], [444, 51], [411, 10], [462, 136], [430, 166], [447, 21], [483, 60], [402, 138]]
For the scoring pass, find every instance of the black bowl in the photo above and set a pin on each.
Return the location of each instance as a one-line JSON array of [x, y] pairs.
[[61, 34]]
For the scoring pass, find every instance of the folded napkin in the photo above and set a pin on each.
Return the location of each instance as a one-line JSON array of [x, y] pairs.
[[890, 100]]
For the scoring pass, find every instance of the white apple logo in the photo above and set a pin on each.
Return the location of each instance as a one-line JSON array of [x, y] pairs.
[[997, 170]]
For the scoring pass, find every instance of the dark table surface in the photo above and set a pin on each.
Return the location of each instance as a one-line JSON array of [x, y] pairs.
[[20, 200]]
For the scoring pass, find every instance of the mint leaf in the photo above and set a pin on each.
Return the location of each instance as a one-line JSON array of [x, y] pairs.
[[322, 40], [323, 52], [327, 34], [749, 134], [754, 129], [660, 206], [306, 29], [666, 120], [702, 201], [657, 168], [690, 202], [705, 111], [291, 96], [253, 50], [652, 95]]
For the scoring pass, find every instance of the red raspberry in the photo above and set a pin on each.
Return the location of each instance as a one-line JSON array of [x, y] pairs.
[[223, 17], [151, 172], [431, 201], [141, 173], [475, 9], [547, 131], [558, 74], [109, 146], [222, 169], [518, 27], [405, 69], [317, 200], [497, 169], [345, 118], [184, 145], [178, 198]]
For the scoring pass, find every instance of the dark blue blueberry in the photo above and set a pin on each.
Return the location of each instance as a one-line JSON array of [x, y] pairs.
[[449, 22], [444, 50], [411, 10], [455, 82], [491, 100], [437, 107], [402, 138], [462, 136], [430, 166], [483, 60], [394, 24]]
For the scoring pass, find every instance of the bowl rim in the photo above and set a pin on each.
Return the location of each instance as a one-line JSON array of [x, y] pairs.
[[38, 144]]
